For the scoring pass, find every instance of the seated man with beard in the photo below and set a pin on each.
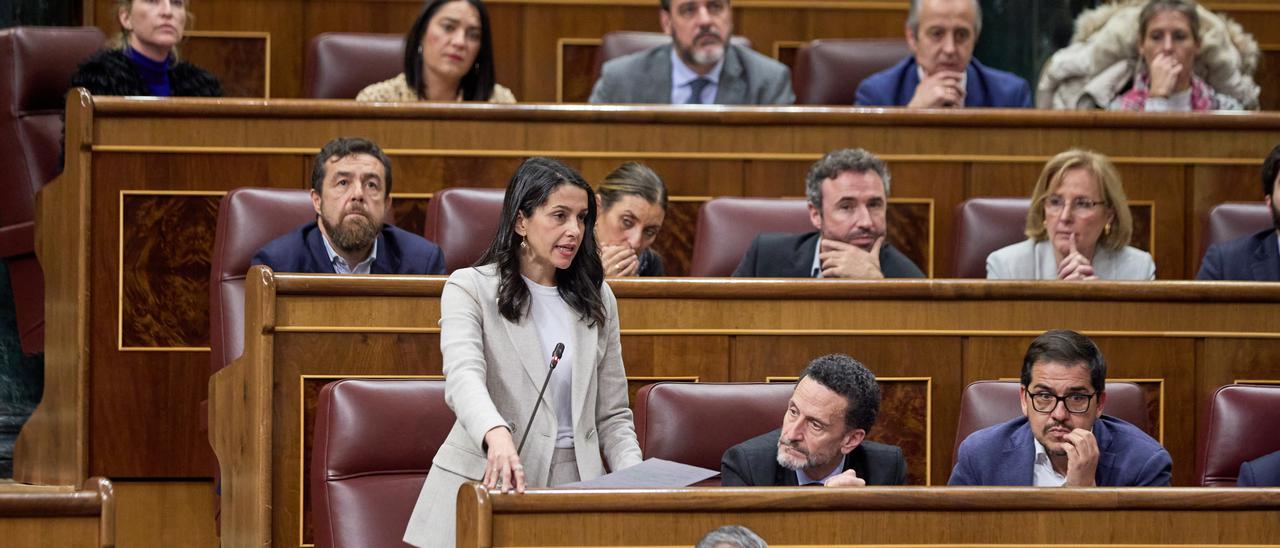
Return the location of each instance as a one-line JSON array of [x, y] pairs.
[[823, 436], [351, 193]]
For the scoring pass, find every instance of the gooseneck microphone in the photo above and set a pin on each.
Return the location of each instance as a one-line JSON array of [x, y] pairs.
[[555, 359]]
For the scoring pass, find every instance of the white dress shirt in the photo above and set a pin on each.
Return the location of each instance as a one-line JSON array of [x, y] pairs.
[[1044, 474]]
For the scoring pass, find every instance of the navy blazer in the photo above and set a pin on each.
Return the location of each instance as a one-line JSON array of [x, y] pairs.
[[984, 87], [1260, 472], [1249, 258], [755, 463], [399, 252], [1005, 453], [783, 255]]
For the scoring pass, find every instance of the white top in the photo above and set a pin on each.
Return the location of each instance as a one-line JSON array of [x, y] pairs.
[[1042, 469], [682, 76], [1032, 260], [340, 265], [1176, 102], [554, 320]]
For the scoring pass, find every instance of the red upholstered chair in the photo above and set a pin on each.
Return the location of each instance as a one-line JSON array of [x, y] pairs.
[[36, 64], [340, 64], [372, 449], [1234, 219], [463, 221], [988, 403], [726, 227], [828, 71], [622, 42], [695, 423], [1240, 427], [984, 225], [248, 218]]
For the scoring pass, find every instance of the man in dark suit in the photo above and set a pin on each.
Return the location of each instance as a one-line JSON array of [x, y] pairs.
[[351, 193], [1263, 471], [1255, 257], [823, 436], [848, 193], [941, 72], [1063, 439], [700, 66]]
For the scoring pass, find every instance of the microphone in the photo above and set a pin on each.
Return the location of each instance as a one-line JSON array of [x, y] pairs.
[[555, 359]]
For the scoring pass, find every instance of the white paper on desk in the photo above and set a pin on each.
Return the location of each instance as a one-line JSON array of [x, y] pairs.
[[648, 474]]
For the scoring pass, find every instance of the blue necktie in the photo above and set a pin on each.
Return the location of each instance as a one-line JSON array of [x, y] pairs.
[[695, 91]]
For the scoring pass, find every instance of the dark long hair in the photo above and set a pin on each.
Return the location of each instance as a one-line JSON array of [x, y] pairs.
[[477, 83], [579, 285]]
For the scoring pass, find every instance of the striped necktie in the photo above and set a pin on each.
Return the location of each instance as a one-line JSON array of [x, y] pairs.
[[695, 91]]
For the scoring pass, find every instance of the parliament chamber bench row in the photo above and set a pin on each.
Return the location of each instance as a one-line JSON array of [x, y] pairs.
[[1175, 343], [375, 439]]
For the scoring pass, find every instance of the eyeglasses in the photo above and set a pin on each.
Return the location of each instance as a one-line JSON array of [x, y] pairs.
[[1055, 204], [1045, 402]]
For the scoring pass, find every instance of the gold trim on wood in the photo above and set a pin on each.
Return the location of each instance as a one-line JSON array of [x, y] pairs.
[[1163, 401], [266, 50], [660, 378], [643, 154], [1256, 381], [1151, 235], [352, 329], [120, 347], [779, 44], [560, 44]]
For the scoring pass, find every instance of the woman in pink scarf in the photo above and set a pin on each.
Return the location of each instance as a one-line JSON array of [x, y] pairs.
[[1169, 41]]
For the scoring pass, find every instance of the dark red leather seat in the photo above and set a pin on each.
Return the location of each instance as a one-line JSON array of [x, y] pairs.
[[1239, 427], [36, 64], [695, 423], [248, 218], [1233, 220], [463, 222], [988, 403], [984, 225], [828, 71], [726, 227], [622, 42], [373, 444], [340, 64]]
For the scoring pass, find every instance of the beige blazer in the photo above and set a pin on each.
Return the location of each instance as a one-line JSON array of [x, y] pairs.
[[493, 369]]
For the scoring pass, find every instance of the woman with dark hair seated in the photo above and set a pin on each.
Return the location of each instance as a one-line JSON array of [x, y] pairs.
[[1078, 227], [539, 288], [448, 56], [143, 59], [633, 205]]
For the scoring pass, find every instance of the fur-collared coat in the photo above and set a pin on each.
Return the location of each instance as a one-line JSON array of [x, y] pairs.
[[110, 72], [1102, 59]]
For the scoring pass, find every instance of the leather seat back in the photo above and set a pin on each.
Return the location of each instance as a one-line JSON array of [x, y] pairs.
[[828, 71], [726, 227], [463, 222], [1238, 428], [340, 64], [984, 225]]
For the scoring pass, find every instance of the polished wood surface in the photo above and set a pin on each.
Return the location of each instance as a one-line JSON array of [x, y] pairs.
[[32, 515], [949, 332], [878, 516], [135, 208], [537, 43]]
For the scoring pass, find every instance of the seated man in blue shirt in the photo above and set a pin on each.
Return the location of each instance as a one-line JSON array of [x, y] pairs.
[[942, 73], [351, 193], [1063, 439], [823, 436]]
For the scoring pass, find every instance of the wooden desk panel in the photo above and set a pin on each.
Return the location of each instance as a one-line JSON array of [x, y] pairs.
[[68, 516], [300, 330], [127, 230], [878, 516]]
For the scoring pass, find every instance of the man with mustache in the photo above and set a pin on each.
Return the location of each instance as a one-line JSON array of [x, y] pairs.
[[1063, 439], [823, 436], [848, 192], [1255, 257], [941, 71], [700, 66], [351, 193]]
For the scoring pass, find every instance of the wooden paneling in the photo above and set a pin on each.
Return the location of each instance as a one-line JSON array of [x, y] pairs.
[[156, 151], [161, 514], [240, 60], [32, 516], [932, 336], [873, 516]]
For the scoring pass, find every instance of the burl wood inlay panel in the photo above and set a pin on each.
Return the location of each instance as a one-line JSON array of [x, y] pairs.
[[904, 421], [167, 247]]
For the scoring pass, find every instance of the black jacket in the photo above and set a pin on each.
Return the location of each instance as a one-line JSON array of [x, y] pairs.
[[110, 72], [754, 463], [781, 255]]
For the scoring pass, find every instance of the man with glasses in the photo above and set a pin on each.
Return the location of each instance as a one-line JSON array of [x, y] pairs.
[[1063, 439]]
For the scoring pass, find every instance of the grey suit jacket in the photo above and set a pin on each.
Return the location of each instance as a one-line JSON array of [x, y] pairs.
[[748, 78], [493, 369]]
